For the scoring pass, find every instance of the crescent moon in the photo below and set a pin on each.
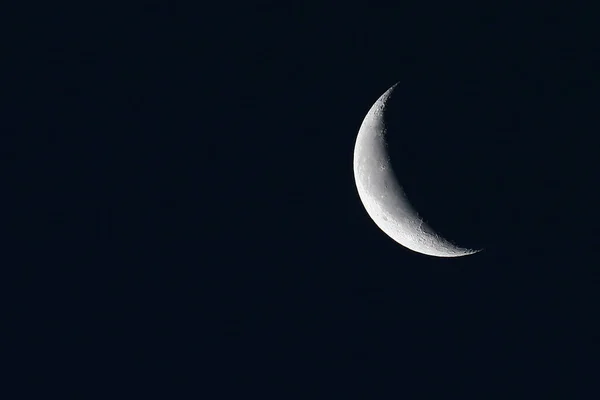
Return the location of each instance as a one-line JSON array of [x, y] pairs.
[[384, 198]]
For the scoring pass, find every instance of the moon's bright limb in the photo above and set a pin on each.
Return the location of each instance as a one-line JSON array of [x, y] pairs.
[[382, 195]]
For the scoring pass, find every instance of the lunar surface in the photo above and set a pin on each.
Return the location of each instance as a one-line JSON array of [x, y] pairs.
[[382, 195]]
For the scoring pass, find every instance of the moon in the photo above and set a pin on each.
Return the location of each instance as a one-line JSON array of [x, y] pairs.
[[382, 195]]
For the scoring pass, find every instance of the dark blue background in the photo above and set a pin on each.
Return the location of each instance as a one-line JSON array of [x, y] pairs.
[[193, 201]]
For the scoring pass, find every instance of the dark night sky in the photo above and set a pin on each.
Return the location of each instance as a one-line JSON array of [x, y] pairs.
[[195, 172]]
